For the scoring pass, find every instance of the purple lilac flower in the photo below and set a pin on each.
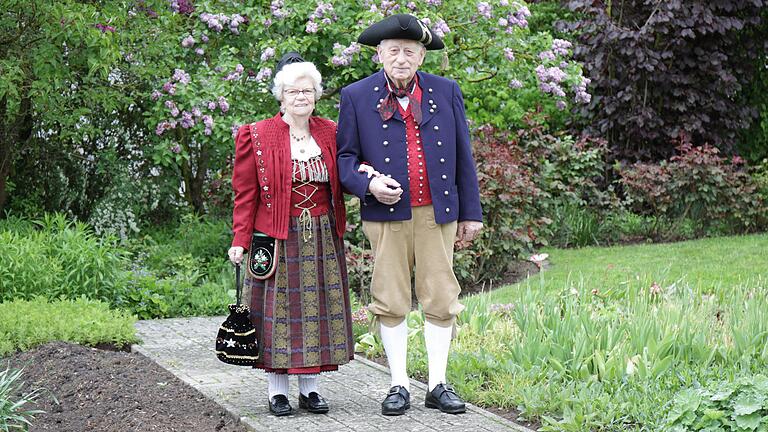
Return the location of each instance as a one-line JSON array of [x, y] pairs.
[[504, 2], [156, 95], [204, 38], [199, 51], [181, 76], [267, 54], [186, 120], [196, 112], [547, 55], [311, 27], [208, 121], [434, 2], [411, 6], [184, 7], [235, 128], [277, 9], [223, 104], [563, 64], [484, 9], [515, 84], [509, 54], [264, 73], [188, 41], [161, 127], [561, 105], [338, 60], [441, 28], [234, 23], [267, 22], [211, 106], [503, 22], [581, 91], [560, 46], [375, 58]]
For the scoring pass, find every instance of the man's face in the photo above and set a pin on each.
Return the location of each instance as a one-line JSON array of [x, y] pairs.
[[401, 58]]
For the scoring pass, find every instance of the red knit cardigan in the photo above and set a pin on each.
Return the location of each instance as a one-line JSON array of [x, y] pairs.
[[262, 177]]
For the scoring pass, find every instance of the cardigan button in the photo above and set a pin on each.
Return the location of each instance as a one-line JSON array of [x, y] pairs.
[[375, 89], [386, 160], [437, 127], [442, 160], [445, 193], [444, 177], [447, 210], [431, 102], [384, 126], [439, 143], [431, 110], [391, 210], [429, 90], [386, 143]]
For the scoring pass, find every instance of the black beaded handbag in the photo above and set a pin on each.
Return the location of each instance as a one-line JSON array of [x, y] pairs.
[[236, 340]]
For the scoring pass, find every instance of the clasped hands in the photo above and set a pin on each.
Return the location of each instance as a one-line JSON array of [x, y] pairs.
[[388, 191]]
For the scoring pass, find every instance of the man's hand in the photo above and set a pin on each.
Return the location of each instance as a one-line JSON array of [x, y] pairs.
[[236, 254], [385, 189], [467, 232]]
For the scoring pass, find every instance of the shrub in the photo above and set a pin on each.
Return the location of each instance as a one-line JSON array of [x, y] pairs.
[[697, 184], [59, 259], [739, 405], [26, 324], [660, 68], [511, 201]]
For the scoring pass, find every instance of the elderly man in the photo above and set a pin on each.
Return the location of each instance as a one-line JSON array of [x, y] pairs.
[[411, 127]]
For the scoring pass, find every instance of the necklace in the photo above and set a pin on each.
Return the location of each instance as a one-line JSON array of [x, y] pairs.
[[302, 138]]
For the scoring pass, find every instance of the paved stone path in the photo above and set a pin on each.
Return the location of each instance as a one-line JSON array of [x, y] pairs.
[[184, 346]]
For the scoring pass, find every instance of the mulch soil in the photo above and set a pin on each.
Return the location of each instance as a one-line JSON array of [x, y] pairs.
[[90, 389]]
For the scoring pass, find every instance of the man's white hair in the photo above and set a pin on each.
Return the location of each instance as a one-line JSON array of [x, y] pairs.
[[293, 72]]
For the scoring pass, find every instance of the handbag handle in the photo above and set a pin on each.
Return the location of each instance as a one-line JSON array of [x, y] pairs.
[[238, 286]]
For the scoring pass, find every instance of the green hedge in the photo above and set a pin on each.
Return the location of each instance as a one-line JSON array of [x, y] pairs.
[[26, 324]]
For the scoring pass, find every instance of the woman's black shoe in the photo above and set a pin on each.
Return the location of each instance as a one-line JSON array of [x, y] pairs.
[[444, 398], [397, 401], [279, 405], [313, 403]]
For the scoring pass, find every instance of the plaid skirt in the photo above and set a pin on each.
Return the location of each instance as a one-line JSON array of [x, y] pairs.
[[302, 313]]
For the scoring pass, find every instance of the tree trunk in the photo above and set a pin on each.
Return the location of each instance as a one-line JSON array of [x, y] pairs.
[[14, 135]]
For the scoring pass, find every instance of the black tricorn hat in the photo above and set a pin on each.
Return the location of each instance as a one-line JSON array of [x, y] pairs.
[[400, 26], [288, 58]]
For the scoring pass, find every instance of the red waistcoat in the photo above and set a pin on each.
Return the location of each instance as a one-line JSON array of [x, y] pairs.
[[262, 177]]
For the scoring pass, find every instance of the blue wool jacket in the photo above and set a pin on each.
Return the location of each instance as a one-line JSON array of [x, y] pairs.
[[362, 136]]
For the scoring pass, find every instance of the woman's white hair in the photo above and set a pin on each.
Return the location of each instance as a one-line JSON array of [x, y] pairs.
[[293, 72]]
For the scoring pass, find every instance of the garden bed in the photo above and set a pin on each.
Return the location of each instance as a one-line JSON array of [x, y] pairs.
[[92, 389]]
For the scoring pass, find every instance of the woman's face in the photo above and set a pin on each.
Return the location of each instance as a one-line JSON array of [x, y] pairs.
[[299, 98]]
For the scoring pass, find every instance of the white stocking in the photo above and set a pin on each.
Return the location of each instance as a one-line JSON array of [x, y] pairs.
[[395, 341], [278, 384], [438, 341]]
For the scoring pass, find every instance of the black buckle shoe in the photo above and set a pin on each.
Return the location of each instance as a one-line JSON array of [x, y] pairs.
[[397, 401], [313, 403], [444, 398], [279, 405]]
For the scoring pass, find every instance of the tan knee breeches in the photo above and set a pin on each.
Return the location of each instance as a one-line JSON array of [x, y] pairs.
[[397, 247]]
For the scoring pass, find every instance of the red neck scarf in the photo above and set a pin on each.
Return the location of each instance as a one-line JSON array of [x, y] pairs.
[[389, 106]]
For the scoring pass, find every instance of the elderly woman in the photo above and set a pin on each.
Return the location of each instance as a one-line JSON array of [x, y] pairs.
[[287, 187]]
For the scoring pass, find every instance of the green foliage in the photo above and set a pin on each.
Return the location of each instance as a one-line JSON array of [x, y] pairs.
[[739, 405], [13, 415], [698, 184], [29, 323], [60, 259]]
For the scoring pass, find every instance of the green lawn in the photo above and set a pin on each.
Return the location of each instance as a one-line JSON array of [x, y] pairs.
[[706, 264]]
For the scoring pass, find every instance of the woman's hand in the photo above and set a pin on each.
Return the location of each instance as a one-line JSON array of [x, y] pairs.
[[236, 254], [365, 168]]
